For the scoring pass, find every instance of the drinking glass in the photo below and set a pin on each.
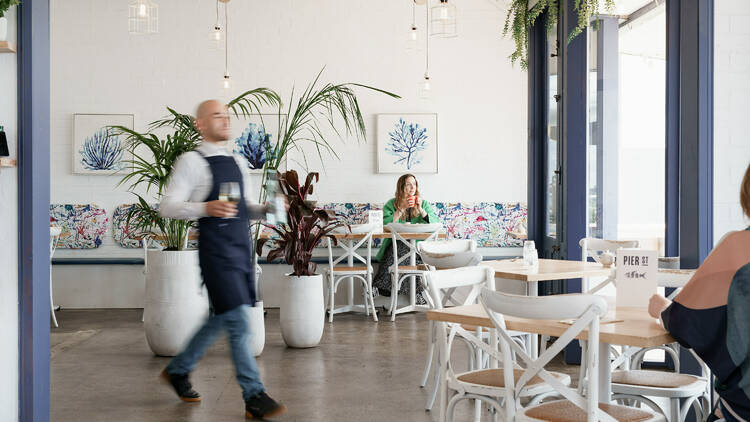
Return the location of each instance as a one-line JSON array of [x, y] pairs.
[[230, 192]]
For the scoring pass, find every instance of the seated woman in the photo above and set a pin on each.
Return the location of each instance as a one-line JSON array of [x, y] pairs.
[[407, 206], [711, 315]]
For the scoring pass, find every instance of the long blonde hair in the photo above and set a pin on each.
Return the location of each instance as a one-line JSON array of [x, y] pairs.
[[401, 191]]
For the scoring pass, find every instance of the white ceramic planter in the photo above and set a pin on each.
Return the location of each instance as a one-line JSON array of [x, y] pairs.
[[3, 29], [257, 329], [176, 303], [302, 311]]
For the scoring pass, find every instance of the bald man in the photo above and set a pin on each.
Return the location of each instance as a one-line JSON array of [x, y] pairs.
[[225, 257]]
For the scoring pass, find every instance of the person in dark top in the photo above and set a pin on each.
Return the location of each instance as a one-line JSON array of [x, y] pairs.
[[224, 254], [711, 315]]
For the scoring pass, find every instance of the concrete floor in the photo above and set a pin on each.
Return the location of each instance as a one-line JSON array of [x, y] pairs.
[[103, 370]]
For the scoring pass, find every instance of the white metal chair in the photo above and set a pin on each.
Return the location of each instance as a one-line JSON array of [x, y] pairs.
[[336, 273], [593, 248], [440, 284], [401, 272], [54, 234], [682, 391], [586, 311]]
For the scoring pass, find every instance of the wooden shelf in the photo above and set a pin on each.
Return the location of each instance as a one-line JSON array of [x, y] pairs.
[[7, 47], [7, 162]]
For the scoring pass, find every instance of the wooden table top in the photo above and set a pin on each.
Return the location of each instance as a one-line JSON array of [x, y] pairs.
[[409, 236], [549, 269], [622, 326]]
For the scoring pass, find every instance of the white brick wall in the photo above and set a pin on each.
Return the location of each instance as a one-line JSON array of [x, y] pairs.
[[480, 98], [9, 234], [731, 102]]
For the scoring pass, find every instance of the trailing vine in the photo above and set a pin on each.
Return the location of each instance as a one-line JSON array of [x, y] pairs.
[[520, 19]]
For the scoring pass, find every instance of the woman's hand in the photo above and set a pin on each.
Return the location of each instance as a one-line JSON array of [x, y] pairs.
[[657, 304]]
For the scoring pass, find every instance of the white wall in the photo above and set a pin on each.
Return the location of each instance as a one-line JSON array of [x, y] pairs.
[[479, 97], [9, 234], [731, 103]]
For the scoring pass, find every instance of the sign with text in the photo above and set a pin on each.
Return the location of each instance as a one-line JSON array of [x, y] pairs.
[[375, 217], [636, 274]]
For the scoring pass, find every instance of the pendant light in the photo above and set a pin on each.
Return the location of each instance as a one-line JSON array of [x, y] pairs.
[[143, 17], [412, 40], [226, 82], [216, 33], [424, 87], [443, 20]]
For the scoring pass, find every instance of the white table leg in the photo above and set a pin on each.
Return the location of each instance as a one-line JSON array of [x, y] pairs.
[[605, 375], [532, 289], [413, 279]]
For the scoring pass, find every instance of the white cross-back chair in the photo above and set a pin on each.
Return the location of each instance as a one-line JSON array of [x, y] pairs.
[[683, 391], [586, 311], [54, 233], [594, 248], [400, 272], [449, 254], [363, 273], [440, 284]]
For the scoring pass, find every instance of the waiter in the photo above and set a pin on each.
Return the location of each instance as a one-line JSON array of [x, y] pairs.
[[224, 251]]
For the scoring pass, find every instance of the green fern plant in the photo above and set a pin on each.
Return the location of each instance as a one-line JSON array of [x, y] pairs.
[[520, 19], [6, 4]]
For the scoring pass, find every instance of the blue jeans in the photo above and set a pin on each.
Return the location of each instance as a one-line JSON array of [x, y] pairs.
[[237, 324]]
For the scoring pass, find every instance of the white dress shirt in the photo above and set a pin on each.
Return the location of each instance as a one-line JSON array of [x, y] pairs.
[[191, 182]]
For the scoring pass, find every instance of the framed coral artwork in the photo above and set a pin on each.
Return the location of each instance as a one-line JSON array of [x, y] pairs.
[[407, 143], [255, 136], [96, 150]]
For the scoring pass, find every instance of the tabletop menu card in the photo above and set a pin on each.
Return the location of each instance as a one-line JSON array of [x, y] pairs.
[[636, 274], [375, 217]]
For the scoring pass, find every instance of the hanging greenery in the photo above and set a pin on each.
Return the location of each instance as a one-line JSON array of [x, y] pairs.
[[520, 19]]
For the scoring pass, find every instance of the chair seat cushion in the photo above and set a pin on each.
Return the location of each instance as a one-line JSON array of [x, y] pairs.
[[443, 261], [412, 268], [656, 379], [566, 411], [496, 378]]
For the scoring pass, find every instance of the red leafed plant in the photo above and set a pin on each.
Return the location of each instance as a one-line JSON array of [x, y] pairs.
[[306, 226]]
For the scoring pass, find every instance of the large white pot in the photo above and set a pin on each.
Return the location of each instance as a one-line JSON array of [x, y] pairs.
[[257, 329], [176, 304], [302, 311], [3, 29]]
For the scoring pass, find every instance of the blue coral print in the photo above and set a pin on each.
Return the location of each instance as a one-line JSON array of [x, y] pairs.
[[102, 151], [407, 141], [255, 145]]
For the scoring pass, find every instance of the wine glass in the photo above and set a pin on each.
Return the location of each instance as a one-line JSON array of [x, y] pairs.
[[230, 192]]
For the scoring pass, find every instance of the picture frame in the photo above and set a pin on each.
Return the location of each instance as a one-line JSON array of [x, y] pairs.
[[96, 151], [249, 134], [407, 143]]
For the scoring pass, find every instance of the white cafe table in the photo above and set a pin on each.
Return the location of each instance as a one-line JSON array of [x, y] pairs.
[[629, 327]]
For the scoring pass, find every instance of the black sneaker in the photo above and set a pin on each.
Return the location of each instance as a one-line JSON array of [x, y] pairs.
[[263, 407], [182, 387]]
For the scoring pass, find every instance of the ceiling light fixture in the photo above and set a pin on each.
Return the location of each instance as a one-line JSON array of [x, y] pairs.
[[143, 17], [444, 20]]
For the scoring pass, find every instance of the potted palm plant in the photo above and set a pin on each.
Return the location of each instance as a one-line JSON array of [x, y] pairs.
[[302, 307], [174, 303]]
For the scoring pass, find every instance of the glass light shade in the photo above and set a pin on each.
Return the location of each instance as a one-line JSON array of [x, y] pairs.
[[443, 20], [216, 33], [424, 88], [226, 82], [412, 40], [143, 17]]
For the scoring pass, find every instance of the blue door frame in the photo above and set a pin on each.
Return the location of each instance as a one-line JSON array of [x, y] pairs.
[[33, 207]]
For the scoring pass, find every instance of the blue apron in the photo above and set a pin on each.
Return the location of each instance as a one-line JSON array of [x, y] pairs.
[[224, 244]]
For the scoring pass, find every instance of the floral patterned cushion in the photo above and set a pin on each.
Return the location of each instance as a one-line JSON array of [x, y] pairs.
[[82, 225], [486, 222], [121, 233]]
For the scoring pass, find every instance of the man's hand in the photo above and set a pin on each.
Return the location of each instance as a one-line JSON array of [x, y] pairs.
[[657, 304], [222, 209]]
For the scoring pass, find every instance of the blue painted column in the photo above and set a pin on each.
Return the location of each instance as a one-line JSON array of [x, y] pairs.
[[34, 188], [537, 130]]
